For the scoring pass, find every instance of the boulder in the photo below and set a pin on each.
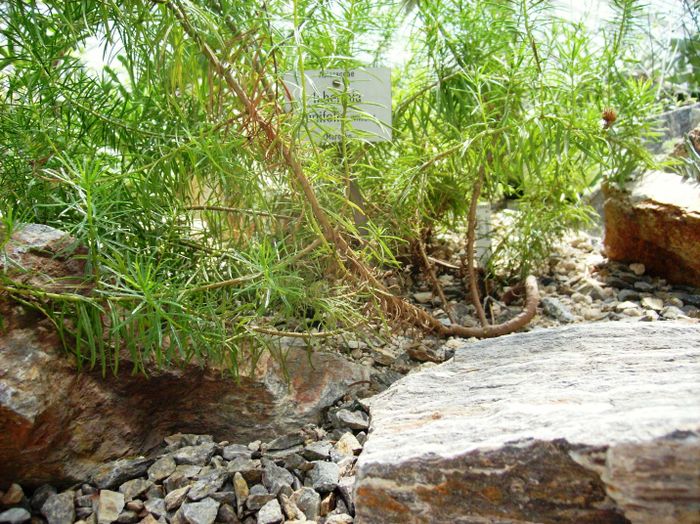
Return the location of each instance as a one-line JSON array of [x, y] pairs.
[[593, 423], [656, 221], [58, 425]]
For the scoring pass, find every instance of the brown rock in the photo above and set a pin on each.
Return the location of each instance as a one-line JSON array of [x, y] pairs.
[[592, 424], [58, 425], [656, 221]]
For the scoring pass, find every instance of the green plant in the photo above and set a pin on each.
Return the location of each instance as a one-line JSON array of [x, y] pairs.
[[211, 223]]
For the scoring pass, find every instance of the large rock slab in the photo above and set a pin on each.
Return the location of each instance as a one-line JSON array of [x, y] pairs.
[[656, 221], [58, 425], [596, 423]]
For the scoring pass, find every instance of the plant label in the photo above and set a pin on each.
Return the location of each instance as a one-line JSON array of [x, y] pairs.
[[356, 101]]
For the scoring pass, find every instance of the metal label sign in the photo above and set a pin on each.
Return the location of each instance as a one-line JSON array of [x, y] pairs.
[[368, 97]]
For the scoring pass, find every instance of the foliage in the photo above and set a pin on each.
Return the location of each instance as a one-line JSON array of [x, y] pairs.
[[173, 163]]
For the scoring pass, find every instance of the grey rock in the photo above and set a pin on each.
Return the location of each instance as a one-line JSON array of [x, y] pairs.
[[250, 469], [156, 507], [59, 508], [308, 501], [40, 495], [627, 294], [644, 286], [555, 309], [324, 476], [604, 415], [208, 485], [258, 496], [180, 440], [195, 455], [161, 468], [109, 506], [352, 419], [117, 472], [236, 450], [134, 488], [672, 313], [176, 481], [270, 513], [286, 441], [275, 478], [290, 510], [295, 461], [225, 497], [345, 490], [203, 512], [320, 450], [127, 517], [15, 516]]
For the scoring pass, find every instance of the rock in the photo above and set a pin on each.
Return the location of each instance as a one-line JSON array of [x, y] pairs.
[[208, 485], [195, 455], [341, 518], [291, 511], [652, 303], [637, 269], [41, 256], [134, 488], [117, 472], [672, 313], [627, 294], [644, 286], [286, 441], [149, 519], [656, 221], [622, 306], [227, 515], [555, 309], [347, 445], [352, 419], [270, 513], [240, 487], [249, 468], [13, 496], [59, 508], [236, 450], [324, 476], [161, 468], [40, 495], [327, 504], [590, 423], [308, 501], [345, 490], [175, 498], [155, 507], [128, 517], [320, 450], [258, 496], [423, 353], [109, 507], [275, 478], [423, 297], [93, 419], [203, 512], [15, 516]]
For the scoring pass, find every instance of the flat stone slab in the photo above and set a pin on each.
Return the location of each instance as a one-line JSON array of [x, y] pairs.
[[592, 423]]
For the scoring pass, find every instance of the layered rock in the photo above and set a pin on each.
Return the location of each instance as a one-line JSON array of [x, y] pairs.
[[57, 424], [656, 221], [596, 423]]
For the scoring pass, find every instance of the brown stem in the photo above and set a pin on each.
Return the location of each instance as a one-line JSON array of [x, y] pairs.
[[471, 233], [430, 270]]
